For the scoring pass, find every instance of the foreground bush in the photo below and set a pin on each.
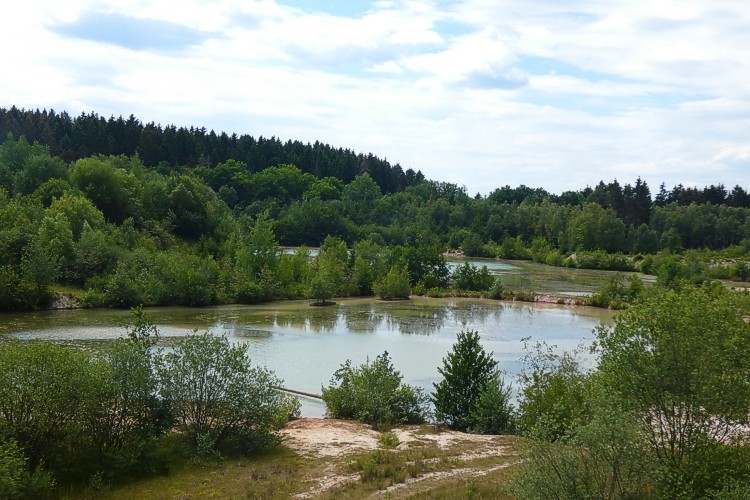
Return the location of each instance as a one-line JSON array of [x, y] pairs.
[[374, 393], [217, 397], [73, 418], [665, 414]]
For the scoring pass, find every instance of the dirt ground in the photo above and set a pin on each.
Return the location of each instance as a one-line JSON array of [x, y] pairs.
[[457, 455]]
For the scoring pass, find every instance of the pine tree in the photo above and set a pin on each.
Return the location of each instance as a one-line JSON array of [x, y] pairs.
[[466, 371]]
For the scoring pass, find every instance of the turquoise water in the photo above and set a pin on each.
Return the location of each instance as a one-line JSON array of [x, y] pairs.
[[304, 345]]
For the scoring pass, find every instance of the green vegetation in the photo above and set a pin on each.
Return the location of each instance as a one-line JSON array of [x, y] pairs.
[[662, 416], [375, 394], [216, 396], [127, 214], [72, 418], [471, 395], [122, 213]]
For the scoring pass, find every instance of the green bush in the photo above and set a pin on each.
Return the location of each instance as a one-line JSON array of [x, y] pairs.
[[493, 413], [615, 294], [394, 285], [553, 393], [467, 276], [497, 289], [606, 457], [374, 393], [214, 391], [48, 395]]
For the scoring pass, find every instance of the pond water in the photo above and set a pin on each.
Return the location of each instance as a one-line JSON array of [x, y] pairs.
[[540, 278], [304, 345]]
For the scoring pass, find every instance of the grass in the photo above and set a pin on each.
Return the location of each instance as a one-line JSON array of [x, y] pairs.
[[276, 474], [419, 469]]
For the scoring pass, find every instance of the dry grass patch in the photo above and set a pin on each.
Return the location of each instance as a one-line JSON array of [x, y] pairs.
[[344, 459]]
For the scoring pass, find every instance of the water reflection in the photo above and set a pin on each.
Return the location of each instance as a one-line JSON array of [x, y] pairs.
[[304, 345]]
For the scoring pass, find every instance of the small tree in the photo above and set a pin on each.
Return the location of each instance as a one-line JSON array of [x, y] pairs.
[[467, 276], [375, 394], [553, 393], [216, 393], [493, 412], [325, 279], [466, 371], [741, 270], [394, 285]]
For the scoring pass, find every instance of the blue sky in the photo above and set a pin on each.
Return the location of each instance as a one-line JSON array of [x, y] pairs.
[[482, 93]]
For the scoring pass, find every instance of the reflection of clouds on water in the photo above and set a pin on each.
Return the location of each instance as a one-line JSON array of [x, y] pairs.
[[77, 333]]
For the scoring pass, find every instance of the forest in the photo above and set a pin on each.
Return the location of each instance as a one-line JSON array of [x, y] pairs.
[[121, 213]]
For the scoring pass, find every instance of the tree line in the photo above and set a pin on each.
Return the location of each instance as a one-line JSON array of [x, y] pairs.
[[170, 147], [119, 232]]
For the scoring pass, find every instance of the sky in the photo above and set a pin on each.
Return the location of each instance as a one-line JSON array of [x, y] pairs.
[[480, 93]]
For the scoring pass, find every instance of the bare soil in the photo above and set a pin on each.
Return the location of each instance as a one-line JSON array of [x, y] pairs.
[[445, 456]]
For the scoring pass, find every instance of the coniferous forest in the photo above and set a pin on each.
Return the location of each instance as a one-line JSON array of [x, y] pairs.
[[126, 213]]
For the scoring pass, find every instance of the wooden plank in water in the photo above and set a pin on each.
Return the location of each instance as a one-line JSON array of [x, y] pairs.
[[301, 393]]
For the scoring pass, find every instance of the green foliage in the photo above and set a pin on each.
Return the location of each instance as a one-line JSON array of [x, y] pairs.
[[374, 393], [213, 390], [606, 457], [497, 289], [681, 361], [388, 440], [292, 274], [394, 285], [327, 273], [110, 187], [422, 262], [741, 270], [616, 294], [48, 394], [467, 372], [467, 276], [493, 412], [37, 170], [553, 393], [16, 481], [599, 259], [79, 211]]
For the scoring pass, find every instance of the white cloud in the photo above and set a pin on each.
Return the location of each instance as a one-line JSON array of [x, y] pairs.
[[629, 89]]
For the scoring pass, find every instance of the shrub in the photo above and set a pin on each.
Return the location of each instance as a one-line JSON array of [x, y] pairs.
[[48, 393], [615, 294], [394, 285], [388, 440], [374, 393], [214, 391], [553, 393], [467, 276], [493, 412], [604, 458], [497, 289]]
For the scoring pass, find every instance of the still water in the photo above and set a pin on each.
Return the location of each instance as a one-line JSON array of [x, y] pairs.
[[304, 345]]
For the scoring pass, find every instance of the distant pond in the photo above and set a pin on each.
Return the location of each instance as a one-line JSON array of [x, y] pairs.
[[304, 345]]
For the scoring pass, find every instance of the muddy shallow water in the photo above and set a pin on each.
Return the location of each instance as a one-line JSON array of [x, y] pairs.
[[304, 345]]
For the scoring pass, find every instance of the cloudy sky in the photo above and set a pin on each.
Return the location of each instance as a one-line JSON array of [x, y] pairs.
[[482, 93]]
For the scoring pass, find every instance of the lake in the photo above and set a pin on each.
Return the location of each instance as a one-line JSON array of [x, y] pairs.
[[304, 345]]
